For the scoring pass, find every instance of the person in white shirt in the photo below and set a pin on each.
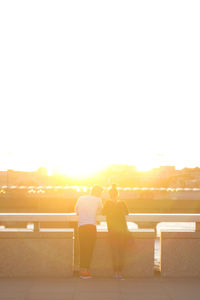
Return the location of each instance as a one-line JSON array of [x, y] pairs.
[[87, 207]]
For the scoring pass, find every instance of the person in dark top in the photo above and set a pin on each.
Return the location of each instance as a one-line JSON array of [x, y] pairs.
[[115, 211]]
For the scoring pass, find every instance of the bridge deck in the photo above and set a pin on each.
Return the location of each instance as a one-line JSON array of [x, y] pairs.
[[100, 289]]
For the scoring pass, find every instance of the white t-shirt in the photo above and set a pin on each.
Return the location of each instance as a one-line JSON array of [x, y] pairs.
[[87, 208]]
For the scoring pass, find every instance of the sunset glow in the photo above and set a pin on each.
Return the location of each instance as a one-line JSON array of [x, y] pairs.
[[87, 85]]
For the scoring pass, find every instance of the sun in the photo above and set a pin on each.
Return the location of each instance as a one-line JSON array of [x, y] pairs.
[[145, 164], [78, 168]]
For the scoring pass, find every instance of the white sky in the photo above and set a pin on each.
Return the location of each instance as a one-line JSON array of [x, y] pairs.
[[84, 84]]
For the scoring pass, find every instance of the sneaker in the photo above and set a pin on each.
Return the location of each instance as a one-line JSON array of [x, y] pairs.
[[120, 277], [88, 275], [85, 275], [116, 276]]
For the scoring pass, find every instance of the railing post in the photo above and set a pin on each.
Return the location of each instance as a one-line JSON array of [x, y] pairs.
[[197, 226], [36, 226]]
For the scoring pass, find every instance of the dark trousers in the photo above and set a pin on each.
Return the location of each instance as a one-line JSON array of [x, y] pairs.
[[87, 239], [118, 242]]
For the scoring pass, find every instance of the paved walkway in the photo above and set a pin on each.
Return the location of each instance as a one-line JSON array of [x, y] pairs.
[[100, 289]]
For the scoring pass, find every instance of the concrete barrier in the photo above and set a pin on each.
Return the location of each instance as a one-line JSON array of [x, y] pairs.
[[139, 258], [180, 254], [36, 254], [140, 254]]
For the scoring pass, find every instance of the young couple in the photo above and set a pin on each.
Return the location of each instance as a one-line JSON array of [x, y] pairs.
[[87, 207]]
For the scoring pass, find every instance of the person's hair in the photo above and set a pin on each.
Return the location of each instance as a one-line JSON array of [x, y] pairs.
[[96, 190], [113, 193]]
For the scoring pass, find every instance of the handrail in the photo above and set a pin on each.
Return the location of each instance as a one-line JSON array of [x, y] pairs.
[[72, 217]]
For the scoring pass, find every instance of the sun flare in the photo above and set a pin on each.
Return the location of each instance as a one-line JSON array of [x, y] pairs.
[[79, 94]]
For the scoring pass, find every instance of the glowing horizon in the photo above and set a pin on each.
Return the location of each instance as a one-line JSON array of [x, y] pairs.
[[87, 172]]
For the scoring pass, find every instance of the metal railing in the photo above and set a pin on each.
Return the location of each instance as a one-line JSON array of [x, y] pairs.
[[72, 217]]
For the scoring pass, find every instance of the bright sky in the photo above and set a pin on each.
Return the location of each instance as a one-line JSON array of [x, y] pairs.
[[85, 84]]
